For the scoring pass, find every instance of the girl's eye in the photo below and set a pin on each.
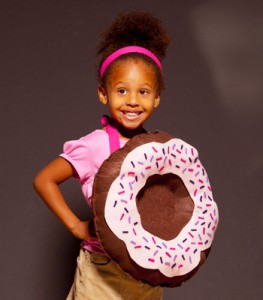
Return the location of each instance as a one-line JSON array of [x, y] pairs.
[[144, 92], [122, 91]]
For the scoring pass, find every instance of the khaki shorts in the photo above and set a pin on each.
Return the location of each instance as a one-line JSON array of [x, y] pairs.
[[98, 278]]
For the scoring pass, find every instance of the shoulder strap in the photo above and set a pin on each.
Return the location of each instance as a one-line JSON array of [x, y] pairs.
[[113, 134]]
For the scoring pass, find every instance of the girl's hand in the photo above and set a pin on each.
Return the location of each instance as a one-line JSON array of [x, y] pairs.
[[81, 230]]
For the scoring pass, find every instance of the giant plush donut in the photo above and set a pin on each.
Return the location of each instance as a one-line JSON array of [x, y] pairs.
[[154, 211]]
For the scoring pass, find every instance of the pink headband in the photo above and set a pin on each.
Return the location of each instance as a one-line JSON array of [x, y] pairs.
[[126, 50]]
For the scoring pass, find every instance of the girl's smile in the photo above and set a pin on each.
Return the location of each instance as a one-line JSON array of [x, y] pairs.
[[131, 94]]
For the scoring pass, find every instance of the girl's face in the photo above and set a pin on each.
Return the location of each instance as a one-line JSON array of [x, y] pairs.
[[131, 94]]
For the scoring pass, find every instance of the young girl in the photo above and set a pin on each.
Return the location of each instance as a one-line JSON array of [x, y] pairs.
[[130, 84]]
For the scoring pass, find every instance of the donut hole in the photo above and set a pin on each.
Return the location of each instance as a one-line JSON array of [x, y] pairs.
[[164, 205]]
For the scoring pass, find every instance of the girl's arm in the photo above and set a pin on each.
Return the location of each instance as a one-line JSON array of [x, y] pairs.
[[46, 183]]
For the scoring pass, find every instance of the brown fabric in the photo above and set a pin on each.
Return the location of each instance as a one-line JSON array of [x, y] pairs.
[[164, 205]]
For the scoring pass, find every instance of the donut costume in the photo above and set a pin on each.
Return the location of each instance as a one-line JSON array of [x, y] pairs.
[[154, 210]]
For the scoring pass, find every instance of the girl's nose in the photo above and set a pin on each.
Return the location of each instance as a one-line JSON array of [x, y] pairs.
[[132, 101]]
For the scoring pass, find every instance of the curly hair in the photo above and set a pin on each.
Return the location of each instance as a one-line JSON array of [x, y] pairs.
[[134, 28]]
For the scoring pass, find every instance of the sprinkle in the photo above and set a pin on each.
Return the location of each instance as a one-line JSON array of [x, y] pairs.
[[190, 159], [182, 147], [125, 208], [184, 240], [155, 252], [195, 250], [200, 180], [168, 149], [122, 192], [131, 173], [180, 266], [126, 231], [133, 164], [178, 151], [160, 170], [164, 245], [170, 163], [205, 211], [190, 234], [168, 254], [190, 169], [121, 217], [174, 145], [154, 150], [211, 216], [137, 247], [151, 259], [132, 242], [146, 247], [183, 257], [184, 170], [192, 151], [115, 203], [178, 167], [159, 158], [124, 201], [163, 151], [195, 192], [153, 240], [197, 173], [152, 158], [145, 156], [131, 196], [172, 248], [121, 185], [157, 165], [122, 176], [190, 259], [148, 167], [191, 181], [167, 263], [180, 246], [142, 174], [187, 249], [161, 260], [145, 239], [173, 155], [129, 220], [183, 160], [201, 187], [173, 265], [175, 257], [135, 223], [134, 231], [140, 163]]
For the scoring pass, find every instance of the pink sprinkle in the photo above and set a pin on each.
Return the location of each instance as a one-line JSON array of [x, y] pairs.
[[208, 205], [172, 248], [168, 149], [148, 167], [150, 259], [160, 170], [178, 151], [187, 249], [192, 151], [154, 150], [159, 158], [198, 166], [214, 228], [201, 218], [201, 181], [180, 266], [209, 187], [134, 231], [121, 217], [137, 247], [200, 243], [122, 192], [153, 240], [170, 163], [211, 216], [204, 231], [131, 173], [183, 160], [131, 196], [168, 254], [190, 170], [195, 192], [190, 234]]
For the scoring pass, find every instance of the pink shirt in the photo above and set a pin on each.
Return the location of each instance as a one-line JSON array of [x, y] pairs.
[[86, 156]]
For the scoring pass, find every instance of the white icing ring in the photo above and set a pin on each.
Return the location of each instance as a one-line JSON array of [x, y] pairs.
[[181, 254]]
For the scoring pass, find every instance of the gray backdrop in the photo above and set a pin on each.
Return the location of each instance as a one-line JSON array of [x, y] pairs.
[[213, 100]]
